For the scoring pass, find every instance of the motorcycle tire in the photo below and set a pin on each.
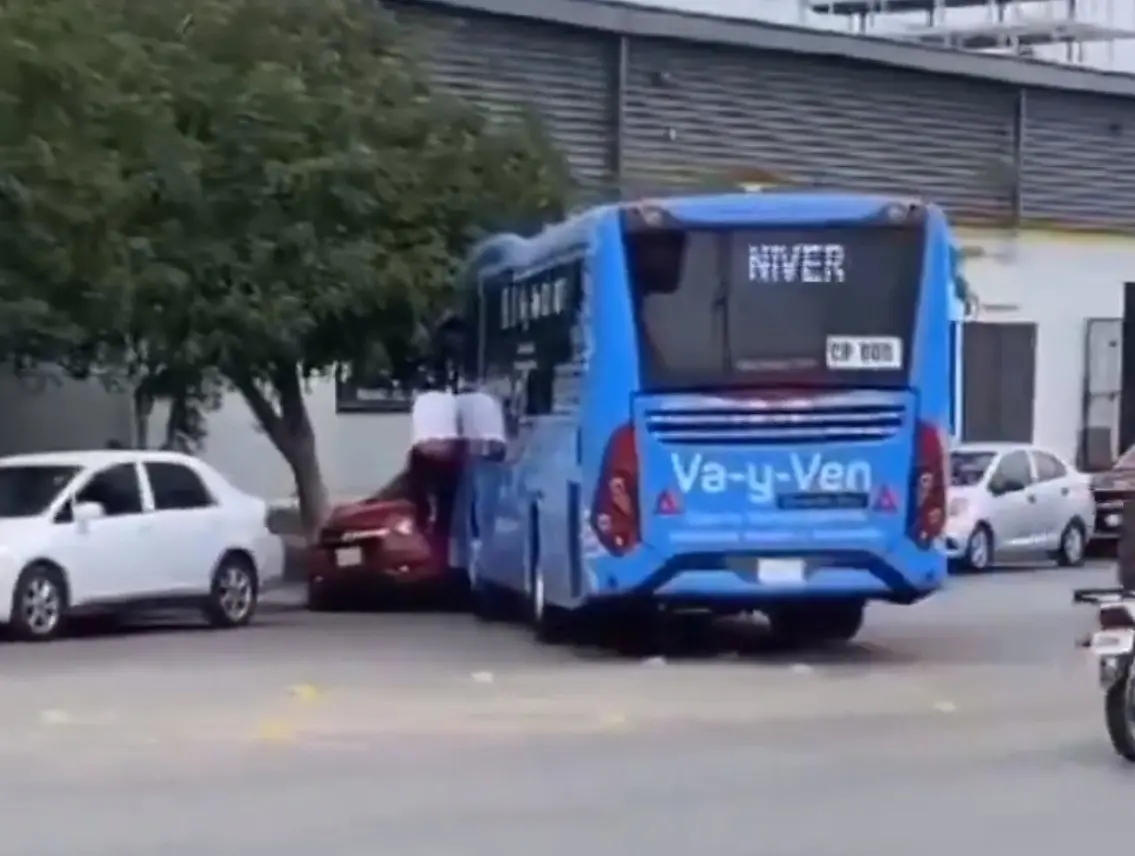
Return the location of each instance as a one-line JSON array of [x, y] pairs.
[[1119, 712]]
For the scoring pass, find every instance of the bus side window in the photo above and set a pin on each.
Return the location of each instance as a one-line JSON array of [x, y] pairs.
[[550, 386], [496, 342]]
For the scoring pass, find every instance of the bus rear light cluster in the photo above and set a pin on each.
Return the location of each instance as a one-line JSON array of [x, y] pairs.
[[927, 515], [615, 514]]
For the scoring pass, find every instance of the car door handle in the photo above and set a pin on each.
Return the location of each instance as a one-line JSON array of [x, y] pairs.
[[1064, 491], [1032, 497]]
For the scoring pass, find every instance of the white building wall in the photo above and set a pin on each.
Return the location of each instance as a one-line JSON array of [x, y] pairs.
[[358, 452], [1058, 282]]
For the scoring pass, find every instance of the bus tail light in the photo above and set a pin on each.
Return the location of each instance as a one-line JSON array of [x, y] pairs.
[[928, 486], [615, 516]]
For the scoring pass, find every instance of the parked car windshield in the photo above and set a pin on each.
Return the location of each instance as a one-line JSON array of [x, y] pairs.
[[968, 468], [28, 490]]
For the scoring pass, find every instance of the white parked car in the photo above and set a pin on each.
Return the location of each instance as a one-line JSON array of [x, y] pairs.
[[1013, 500], [118, 530]]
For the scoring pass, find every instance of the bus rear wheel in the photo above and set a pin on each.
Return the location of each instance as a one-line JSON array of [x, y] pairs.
[[809, 623], [551, 624]]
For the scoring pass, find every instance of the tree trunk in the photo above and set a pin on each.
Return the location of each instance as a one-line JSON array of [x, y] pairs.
[[176, 423], [143, 409], [291, 432], [312, 493]]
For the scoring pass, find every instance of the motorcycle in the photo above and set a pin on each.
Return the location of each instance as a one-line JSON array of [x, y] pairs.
[[1113, 646]]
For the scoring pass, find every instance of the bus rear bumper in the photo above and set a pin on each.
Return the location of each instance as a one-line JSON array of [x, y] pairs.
[[749, 580]]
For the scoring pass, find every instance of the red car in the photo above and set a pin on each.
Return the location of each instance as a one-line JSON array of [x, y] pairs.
[[374, 546]]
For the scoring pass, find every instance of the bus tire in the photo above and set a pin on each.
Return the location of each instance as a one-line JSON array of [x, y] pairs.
[[551, 624], [807, 624]]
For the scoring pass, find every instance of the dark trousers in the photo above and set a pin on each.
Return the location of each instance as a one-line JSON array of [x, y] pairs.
[[435, 472]]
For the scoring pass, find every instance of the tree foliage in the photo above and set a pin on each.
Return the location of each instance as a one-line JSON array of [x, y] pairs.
[[257, 190]]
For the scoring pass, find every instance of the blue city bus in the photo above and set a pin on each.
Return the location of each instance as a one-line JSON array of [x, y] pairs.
[[719, 403]]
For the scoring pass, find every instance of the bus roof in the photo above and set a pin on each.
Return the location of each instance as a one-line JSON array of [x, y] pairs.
[[574, 233]]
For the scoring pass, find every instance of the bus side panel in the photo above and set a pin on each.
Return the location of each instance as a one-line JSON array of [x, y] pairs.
[[937, 379], [609, 388], [554, 459], [499, 506]]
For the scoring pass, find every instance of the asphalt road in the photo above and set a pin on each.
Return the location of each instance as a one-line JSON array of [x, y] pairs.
[[969, 722]]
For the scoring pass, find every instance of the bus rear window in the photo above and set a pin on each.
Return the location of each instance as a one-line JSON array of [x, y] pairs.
[[824, 306]]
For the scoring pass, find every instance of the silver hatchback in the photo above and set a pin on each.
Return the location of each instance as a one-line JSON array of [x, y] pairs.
[[1016, 501]]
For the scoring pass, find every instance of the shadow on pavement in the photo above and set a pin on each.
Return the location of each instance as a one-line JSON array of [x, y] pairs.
[[680, 638]]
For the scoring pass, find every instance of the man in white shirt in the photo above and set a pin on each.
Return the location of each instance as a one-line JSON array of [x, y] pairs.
[[482, 424], [435, 459]]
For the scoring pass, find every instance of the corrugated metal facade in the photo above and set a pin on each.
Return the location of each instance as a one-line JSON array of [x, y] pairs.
[[1076, 164], [693, 110], [638, 113], [506, 65]]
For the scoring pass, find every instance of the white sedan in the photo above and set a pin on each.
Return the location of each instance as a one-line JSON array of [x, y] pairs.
[[122, 530], [1011, 500]]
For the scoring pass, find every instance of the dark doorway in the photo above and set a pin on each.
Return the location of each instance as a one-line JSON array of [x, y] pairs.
[[999, 377], [1103, 385], [1127, 394]]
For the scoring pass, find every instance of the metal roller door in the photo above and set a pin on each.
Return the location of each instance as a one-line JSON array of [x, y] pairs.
[[999, 404], [693, 111], [1077, 159], [506, 65]]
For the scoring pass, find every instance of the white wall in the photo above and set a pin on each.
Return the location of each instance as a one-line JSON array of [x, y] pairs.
[[359, 452], [1058, 282]]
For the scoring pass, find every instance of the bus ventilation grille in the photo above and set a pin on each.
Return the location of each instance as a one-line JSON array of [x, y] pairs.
[[775, 424]]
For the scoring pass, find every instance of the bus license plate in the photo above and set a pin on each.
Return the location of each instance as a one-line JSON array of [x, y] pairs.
[[780, 572], [348, 557], [1111, 643]]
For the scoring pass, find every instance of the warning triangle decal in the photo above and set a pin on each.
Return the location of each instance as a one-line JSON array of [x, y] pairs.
[[667, 504], [886, 501]]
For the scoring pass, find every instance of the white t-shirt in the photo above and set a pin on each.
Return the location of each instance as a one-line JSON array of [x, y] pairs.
[[481, 417], [434, 417]]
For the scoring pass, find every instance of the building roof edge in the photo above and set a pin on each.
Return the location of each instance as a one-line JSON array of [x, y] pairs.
[[653, 22]]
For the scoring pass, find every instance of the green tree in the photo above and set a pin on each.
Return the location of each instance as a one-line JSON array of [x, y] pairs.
[[257, 189]]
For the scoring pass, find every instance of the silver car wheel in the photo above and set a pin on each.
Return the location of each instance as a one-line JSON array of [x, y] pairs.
[[41, 606], [1073, 545], [235, 592], [977, 552]]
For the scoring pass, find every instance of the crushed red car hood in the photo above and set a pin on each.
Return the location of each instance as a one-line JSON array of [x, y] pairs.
[[369, 514], [426, 550]]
